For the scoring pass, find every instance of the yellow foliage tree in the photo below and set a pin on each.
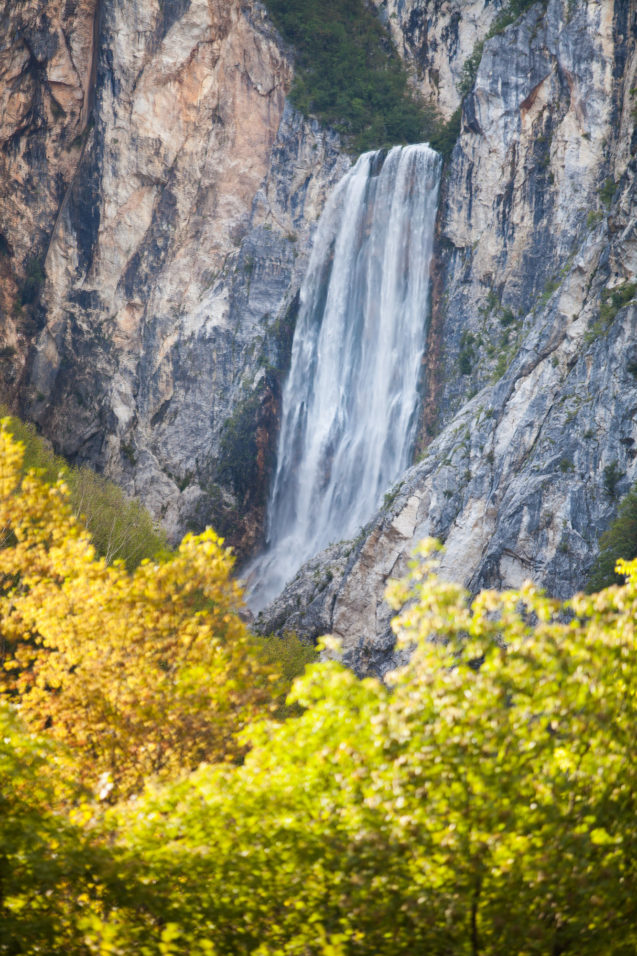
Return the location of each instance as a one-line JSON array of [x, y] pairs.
[[139, 674], [120, 527]]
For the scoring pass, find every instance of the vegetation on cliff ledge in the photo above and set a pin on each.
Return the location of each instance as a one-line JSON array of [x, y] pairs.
[[156, 799], [509, 13], [619, 541], [349, 75], [120, 527]]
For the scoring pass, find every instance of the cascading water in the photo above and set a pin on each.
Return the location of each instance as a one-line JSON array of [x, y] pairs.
[[350, 401]]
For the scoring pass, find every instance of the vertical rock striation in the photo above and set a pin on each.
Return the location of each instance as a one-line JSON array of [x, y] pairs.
[[436, 38], [535, 318], [173, 264], [47, 55]]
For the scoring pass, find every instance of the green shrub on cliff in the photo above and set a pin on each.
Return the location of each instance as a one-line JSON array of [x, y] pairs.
[[350, 77], [120, 527], [619, 541], [508, 15], [34, 278], [615, 299]]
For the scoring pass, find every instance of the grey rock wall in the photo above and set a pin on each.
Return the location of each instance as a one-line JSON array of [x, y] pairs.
[[173, 265], [536, 397], [436, 38], [150, 159], [47, 55]]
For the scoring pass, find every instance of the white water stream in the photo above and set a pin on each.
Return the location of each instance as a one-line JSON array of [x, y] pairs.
[[350, 402]]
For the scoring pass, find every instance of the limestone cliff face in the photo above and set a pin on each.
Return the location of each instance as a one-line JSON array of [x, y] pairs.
[[173, 261], [46, 64], [436, 38], [153, 166], [532, 358]]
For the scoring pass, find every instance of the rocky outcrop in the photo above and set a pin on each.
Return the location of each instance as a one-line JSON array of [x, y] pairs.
[[173, 264], [46, 63], [537, 334], [158, 196], [437, 38]]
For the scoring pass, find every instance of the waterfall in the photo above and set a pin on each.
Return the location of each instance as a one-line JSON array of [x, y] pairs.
[[350, 402]]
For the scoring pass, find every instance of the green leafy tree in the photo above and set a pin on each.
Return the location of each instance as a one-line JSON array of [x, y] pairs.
[[618, 541], [120, 527], [483, 803], [46, 861]]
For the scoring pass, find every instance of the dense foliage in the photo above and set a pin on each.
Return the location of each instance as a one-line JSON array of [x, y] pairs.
[[45, 861], [349, 75], [482, 801], [140, 674], [119, 527], [619, 541]]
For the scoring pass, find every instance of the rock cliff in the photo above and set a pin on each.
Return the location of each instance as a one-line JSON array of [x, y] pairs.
[[532, 385], [173, 246], [158, 196], [437, 39], [47, 58]]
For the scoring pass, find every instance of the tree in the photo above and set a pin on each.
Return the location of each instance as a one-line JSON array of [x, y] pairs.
[[139, 674], [119, 527], [485, 803], [618, 541], [44, 858]]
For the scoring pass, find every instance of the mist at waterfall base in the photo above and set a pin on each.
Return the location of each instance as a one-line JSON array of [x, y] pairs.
[[350, 402]]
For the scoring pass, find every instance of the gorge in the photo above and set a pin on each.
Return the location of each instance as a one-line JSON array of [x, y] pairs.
[[313, 441]]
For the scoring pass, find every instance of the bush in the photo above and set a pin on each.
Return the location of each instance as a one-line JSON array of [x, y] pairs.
[[607, 191], [615, 299], [350, 77], [612, 477], [30, 289], [120, 527], [470, 69], [467, 352], [618, 541]]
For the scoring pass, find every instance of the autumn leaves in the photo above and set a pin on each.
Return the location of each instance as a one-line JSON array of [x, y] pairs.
[[482, 801], [138, 674]]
